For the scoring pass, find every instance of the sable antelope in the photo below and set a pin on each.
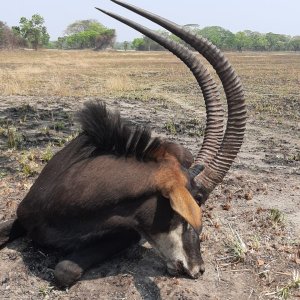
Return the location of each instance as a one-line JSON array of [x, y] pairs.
[[114, 183]]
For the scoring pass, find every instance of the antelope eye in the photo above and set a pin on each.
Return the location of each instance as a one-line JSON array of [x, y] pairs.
[[195, 170]]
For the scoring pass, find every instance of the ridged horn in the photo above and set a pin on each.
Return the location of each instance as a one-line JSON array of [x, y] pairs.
[[236, 124], [214, 112]]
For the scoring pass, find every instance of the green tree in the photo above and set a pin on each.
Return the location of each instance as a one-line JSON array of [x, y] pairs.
[[138, 44], [87, 34], [294, 43], [147, 44], [82, 25], [277, 42], [222, 38], [34, 31], [242, 41], [257, 41]]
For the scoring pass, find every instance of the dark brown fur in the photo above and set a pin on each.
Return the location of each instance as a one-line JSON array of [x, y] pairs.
[[101, 191]]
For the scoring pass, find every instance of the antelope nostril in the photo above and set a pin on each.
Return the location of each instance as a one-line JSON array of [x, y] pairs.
[[195, 275], [202, 269]]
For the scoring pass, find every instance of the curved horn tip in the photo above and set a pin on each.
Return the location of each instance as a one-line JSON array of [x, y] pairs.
[[100, 9], [120, 2]]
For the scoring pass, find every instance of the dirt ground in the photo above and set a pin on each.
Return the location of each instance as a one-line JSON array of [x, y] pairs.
[[250, 241]]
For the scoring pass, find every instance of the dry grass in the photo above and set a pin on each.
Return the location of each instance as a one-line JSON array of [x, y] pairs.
[[271, 80], [84, 73]]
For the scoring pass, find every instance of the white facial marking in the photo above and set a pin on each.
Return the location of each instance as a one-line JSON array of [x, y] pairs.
[[170, 246]]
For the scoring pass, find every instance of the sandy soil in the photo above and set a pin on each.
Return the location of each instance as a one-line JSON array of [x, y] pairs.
[[250, 241]]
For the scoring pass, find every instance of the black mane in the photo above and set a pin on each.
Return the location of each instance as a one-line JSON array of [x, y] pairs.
[[107, 133]]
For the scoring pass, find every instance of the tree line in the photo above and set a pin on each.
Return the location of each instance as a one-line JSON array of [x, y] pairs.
[[32, 33], [226, 40], [90, 34]]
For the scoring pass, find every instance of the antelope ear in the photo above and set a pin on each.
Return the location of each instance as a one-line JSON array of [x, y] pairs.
[[185, 205]]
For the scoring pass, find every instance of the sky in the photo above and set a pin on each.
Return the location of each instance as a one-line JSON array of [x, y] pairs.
[[277, 16]]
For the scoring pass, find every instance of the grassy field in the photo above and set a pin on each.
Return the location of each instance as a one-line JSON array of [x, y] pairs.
[[271, 80], [250, 241]]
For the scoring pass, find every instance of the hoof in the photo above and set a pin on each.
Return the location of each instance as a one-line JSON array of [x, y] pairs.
[[66, 273]]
